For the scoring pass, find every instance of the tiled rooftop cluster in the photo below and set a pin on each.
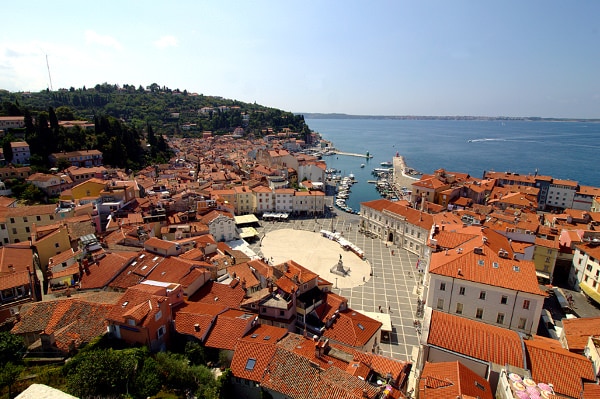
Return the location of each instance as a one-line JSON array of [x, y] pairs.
[[156, 240]]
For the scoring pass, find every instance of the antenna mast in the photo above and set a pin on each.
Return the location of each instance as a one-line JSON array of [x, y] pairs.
[[49, 76]]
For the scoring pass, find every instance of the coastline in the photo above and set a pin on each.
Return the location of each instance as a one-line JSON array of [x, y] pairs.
[[401, 179]]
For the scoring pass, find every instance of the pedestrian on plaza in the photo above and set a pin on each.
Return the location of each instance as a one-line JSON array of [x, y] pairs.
[[390, 308], [380, 308]]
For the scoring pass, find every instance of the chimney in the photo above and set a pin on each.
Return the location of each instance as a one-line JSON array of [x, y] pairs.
[[196, 327]]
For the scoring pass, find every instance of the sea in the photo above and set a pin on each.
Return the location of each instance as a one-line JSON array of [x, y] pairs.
[[563, 150]]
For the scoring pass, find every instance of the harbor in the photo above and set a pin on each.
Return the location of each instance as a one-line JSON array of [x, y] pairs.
[[389, 179]]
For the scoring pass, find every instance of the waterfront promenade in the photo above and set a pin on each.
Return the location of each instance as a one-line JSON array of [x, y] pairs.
[[391, 289]]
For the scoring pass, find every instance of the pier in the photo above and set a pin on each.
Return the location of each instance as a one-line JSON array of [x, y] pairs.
[[352, 154]]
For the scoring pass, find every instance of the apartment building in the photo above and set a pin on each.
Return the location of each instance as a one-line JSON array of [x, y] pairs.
[[478, 281], [585, 273]]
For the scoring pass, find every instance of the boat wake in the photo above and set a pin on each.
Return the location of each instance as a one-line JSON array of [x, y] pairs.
[[477, 140]]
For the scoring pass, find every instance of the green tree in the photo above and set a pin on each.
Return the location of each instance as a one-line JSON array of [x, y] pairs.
[[104, 373], [64, 113], [32, 194], [7, 148], [11, 346], [9, 374], [148, 380], [195, 352]]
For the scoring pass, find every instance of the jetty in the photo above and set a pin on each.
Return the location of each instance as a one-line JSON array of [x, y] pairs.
[[352, 154]]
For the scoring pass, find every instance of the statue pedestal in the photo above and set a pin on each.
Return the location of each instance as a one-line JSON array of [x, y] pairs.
[[339, 268]]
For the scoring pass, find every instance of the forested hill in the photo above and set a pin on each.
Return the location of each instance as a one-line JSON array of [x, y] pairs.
[[129, 120], [168, 111]]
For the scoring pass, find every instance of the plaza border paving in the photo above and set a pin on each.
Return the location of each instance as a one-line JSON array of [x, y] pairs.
[[393, 283]]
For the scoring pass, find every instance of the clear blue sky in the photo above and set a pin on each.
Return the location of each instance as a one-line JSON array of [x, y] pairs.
[[511, 58]]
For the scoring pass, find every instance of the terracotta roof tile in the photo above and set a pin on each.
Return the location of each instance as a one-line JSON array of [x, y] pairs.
[[213, 292], [450, 380], [190, 314], [478, 340], [496, 271], [102, 272], [577, 332], [70, 319], [250, 359], [229, 327], [551, 363]]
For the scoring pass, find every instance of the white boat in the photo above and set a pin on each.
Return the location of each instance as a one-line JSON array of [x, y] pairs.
[[386, 163], [362, 165], [351, 176]]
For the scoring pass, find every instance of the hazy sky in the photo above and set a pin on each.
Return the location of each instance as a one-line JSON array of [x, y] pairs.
[[447, 57]]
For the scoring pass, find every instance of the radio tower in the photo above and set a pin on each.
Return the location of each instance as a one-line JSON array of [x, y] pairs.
[[49, 76]]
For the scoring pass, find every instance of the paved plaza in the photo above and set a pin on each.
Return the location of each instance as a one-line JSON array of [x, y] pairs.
[[392, 285]]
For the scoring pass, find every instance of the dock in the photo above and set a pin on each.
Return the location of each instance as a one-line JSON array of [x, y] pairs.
[[352, 154]]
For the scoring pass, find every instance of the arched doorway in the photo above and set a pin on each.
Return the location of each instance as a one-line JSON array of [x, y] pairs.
[[391, 237]]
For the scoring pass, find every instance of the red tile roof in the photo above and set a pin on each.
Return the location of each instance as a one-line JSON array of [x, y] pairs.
[[250, 359], [191, 313], [137, 303], [229, 327], [101, 273], [293, 270], [70, 320], [352, 328], [295, 376], [463, 264], [413, 216], [549, 362], [451, 380], [474, 339], [577, 332], [213, 292]]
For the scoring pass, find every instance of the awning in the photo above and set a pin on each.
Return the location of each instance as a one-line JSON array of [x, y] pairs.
[[542, 274], [248, 232], [589, 291], [383, 318], [246, 219]]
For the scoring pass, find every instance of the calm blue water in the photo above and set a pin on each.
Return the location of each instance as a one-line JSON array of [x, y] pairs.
[[565, 150]]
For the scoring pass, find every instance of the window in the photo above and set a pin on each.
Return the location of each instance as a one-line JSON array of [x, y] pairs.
[[38, 218], [250, 363], [56, 245], [479, 313], [461, 291], [526, 304], [522, 322], [14, 230], [161, 331], [589, 268], [27, 230], [263, 310], [281, 313], [442, 286], [500, 318], [482, 295], [158, 315], [25, 220], [504, 300], [12, 220], [440, 304], [459, 308]]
